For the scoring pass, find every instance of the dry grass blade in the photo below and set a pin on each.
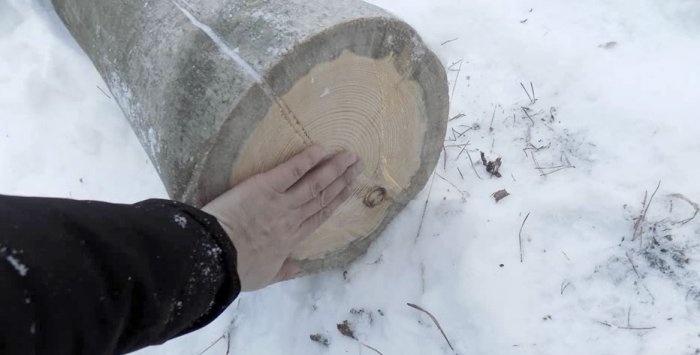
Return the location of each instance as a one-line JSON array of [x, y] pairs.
[[459, 70], [689, 201], [214, 343], [642, 217], [520, 236], [425, 208], [526, 93], [371, 348], [474, 168], [448, 41], [457, 117], [628, 328], [463, 193], [434, 321]]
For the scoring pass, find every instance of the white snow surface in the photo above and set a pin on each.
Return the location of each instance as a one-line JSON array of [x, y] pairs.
[[616, 86]]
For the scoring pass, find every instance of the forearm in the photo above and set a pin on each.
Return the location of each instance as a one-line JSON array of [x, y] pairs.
[[99, 278]]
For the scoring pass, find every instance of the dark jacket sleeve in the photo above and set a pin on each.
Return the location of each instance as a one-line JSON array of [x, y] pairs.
[[84, 277]]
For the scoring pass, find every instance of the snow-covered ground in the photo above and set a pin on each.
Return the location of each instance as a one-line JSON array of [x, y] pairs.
[[614, 112]]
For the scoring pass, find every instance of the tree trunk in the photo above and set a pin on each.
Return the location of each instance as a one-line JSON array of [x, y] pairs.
[[218, 91]]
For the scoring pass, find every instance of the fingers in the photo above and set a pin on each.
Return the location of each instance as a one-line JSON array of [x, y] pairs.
[[327, 196], [319, 179], [285, 175], [312, 223]]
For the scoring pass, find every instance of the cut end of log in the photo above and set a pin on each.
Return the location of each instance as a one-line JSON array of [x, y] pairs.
[[374, 107], [352, 103]]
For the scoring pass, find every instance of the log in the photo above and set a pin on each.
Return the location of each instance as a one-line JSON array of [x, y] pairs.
[[217, 91]]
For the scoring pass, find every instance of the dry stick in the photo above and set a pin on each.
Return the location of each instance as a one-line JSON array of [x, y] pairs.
[[534, 98], [520, 237], [448, 41], [473, 168], [434, 321], [425, 208], [460, 173], [492, 117]]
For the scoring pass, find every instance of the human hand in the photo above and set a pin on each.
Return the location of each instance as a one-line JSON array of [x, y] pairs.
[[269, 214]]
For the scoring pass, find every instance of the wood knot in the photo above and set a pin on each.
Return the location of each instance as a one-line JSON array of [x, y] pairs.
[[375, 197]]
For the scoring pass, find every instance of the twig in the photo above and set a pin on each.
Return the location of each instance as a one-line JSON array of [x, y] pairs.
[[474, 168], [448, 41], [460, 173], [492, 117], [434, 321], [425, 208], [534, 98], [520, 237]]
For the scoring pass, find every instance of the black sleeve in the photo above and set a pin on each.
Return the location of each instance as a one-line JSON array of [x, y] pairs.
[[83, 277]]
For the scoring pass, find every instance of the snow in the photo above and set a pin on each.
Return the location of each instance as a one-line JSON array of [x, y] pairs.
[[625, 115], [180, 220], [18, 265]]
